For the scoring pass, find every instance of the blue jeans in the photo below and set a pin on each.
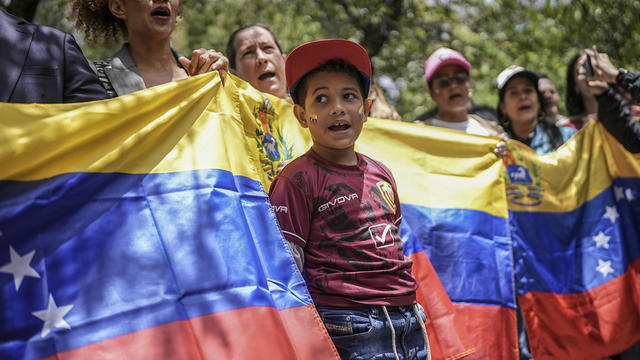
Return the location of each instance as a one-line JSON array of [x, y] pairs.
[[364, 332]]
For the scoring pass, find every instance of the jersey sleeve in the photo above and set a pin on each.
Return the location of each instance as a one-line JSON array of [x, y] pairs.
[[292, 208], [396, 198]]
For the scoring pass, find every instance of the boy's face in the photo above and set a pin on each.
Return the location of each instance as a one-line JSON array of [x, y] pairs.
[[334, 112]]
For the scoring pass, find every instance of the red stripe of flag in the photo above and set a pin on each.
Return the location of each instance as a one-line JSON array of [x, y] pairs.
[[248, 333], [590, 325], [447, 334]]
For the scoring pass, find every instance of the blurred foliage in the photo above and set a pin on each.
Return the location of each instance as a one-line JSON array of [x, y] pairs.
[[541, 35]]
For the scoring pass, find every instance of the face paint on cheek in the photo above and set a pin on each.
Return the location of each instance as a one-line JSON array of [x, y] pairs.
[[314, 119], [361, 112]]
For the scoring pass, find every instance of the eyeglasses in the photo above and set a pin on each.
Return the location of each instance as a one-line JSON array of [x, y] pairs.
[[445, 81]]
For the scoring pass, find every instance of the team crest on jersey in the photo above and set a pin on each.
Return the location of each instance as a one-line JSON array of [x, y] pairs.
[[523, 183], [387, 194]]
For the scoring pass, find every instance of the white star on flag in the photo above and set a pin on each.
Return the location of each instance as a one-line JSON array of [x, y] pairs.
[[611, 213], [619, 193], [604, 267], [53, 316], [19, 267], [602, 240], [629, 194]]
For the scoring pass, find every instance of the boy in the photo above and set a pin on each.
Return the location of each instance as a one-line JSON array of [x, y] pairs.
[[340, 213]]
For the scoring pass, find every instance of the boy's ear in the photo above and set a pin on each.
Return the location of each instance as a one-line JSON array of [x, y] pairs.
[[367, 108], [300, 115], [117, 9]]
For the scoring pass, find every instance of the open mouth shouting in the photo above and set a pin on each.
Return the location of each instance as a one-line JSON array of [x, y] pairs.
[[161, 13], [267, 76]]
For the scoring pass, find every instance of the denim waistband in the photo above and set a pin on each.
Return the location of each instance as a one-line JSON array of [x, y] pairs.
[[372, 308]]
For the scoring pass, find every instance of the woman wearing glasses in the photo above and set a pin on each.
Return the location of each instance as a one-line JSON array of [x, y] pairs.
[[447, 73]]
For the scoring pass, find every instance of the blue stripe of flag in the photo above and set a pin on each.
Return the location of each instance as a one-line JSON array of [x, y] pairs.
[[135, 251], [558, 252], [469, 250]]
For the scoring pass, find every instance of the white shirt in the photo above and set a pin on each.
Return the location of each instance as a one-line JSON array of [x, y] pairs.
[[470, 126]]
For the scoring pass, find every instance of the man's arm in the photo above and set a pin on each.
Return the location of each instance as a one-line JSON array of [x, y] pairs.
[[614, 114], [630, 82], [80, 82]]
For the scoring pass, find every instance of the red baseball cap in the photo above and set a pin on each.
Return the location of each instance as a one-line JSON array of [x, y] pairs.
[[311, 55]]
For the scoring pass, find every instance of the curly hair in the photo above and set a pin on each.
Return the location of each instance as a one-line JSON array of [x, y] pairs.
[[96, 21]]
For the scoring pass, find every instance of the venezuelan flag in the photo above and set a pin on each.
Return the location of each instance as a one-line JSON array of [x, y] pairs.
[[575, 227], [454, 222], [138, 227]]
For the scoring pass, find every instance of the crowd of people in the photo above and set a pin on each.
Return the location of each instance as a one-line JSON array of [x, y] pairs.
[[331, 85], [254, 54], [528, 107]]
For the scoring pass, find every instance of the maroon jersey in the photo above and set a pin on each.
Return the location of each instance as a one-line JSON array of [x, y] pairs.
[[347, 219]]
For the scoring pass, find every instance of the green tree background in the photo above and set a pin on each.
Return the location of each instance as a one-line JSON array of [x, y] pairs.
[[399, 35]]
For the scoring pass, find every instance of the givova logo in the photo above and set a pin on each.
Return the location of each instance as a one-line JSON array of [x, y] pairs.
[[338, 200], [280, 208]]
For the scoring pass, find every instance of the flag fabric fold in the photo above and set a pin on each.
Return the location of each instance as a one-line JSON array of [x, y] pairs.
[[576, 237], [139, 227], [454, 222]]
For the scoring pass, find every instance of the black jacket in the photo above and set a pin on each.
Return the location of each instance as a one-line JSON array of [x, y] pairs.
[[629, 81], [43, 65], [615, 115]]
